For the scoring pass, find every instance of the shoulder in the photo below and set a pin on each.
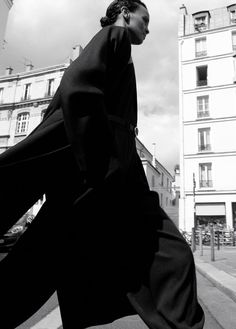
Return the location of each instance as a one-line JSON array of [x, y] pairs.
[[116, 37]]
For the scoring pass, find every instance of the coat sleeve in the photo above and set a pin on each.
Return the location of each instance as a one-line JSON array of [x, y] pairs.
[[83, 95]]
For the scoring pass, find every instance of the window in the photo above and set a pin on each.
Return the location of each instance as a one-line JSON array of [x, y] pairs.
[[167, 201], [1, 95], [42, 114], [201, 21], [162, 179], [26, 92], [234, 40], [205, 172], [153, 181], [22, 123], [200, 47], [201, 75], [203, 106], [232, 13], [204, 139], [50, 88]]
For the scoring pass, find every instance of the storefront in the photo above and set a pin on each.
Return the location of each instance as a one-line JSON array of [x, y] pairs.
[[211, 213]]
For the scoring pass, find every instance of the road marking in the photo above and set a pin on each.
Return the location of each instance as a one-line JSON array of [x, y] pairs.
[[52, 320]]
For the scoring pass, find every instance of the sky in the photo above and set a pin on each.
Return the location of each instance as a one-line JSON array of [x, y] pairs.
[[44, 32]]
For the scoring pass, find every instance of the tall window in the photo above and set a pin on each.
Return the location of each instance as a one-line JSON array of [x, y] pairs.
[[204, 139], [203, 106], [205, 174], [201, 75], [162, 179], [22, 123], [153, 181], [1, 95], [26, 92], [234, 40], [200, 47], [50, 87]]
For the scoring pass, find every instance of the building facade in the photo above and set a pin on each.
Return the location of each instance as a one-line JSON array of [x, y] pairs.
[[5, 6], [207, 108], [159, 180]]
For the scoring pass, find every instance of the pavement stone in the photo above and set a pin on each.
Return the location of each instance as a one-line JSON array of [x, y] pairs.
[[221, 271]]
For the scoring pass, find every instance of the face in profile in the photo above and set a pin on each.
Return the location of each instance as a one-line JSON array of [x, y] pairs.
[[138, 25]]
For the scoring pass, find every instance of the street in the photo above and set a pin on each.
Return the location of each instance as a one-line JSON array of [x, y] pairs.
[[215, 304]]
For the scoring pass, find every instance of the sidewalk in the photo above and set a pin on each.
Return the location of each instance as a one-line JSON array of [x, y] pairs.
[[222, 271]]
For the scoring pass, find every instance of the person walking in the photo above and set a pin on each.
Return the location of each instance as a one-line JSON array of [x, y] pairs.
[[101, 239]]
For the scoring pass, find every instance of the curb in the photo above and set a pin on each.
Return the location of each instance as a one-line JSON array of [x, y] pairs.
[[223, 281]]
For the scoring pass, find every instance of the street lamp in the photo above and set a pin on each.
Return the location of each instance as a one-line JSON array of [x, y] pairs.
[[194, 216]]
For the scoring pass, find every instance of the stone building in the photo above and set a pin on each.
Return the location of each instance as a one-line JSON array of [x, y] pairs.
[[207, 105]]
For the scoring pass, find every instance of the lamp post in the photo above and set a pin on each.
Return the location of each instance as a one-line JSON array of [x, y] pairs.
[[194, 216]]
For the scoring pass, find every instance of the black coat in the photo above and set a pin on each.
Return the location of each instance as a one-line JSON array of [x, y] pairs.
[[101, 82]]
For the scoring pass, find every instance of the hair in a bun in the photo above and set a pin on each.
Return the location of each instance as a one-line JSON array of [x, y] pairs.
[[114, 9], [105, 21]]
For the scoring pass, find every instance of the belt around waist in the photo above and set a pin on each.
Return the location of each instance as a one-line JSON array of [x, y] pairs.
[[129, 127]]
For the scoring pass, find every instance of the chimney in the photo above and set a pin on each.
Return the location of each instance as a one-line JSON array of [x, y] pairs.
[[29, 67], [183, 10], [9, 70], [76, 51], [182, 20]]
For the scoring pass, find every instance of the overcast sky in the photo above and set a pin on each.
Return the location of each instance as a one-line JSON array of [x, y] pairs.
[[44, 33]]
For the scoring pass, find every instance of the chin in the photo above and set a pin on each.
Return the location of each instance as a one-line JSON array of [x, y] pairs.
[[137, 42]]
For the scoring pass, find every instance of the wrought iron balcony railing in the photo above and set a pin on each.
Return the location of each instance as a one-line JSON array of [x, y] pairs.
[[206, 183], [204, 147]]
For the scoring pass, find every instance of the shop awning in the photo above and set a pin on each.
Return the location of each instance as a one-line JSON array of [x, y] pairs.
[[210, 209]]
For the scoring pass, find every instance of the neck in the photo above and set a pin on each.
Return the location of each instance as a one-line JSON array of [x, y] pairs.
[[120, 22]]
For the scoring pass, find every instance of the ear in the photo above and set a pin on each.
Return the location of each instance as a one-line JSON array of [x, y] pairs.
[[125, 13]]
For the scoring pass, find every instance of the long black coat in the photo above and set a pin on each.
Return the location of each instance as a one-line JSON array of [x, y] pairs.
[[100, 82], [101, 233]]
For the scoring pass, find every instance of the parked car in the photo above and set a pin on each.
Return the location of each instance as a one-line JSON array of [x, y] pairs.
[[8, 240]]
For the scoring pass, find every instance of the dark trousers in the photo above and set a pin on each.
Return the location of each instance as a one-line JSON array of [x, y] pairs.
[[101, 278]]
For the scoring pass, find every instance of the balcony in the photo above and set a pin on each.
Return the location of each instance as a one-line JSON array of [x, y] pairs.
[[204, 147], [203, 114], [201, 83], [205, 183], [27, 98], [201, 53]]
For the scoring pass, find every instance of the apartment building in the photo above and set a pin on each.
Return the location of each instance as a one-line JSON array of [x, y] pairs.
[[159, 180], [207, 108]]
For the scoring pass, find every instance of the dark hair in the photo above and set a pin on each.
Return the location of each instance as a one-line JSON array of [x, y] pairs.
[[114, 9]]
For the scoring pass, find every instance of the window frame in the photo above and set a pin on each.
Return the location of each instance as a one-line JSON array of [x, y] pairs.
[[26, 91], [201, 82], [22, 122], [204, 25], [205, 183], [204, 135], [201, 53], [204, 112]]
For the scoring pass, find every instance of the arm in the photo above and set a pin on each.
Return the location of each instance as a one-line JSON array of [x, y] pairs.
[[83, 93]]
